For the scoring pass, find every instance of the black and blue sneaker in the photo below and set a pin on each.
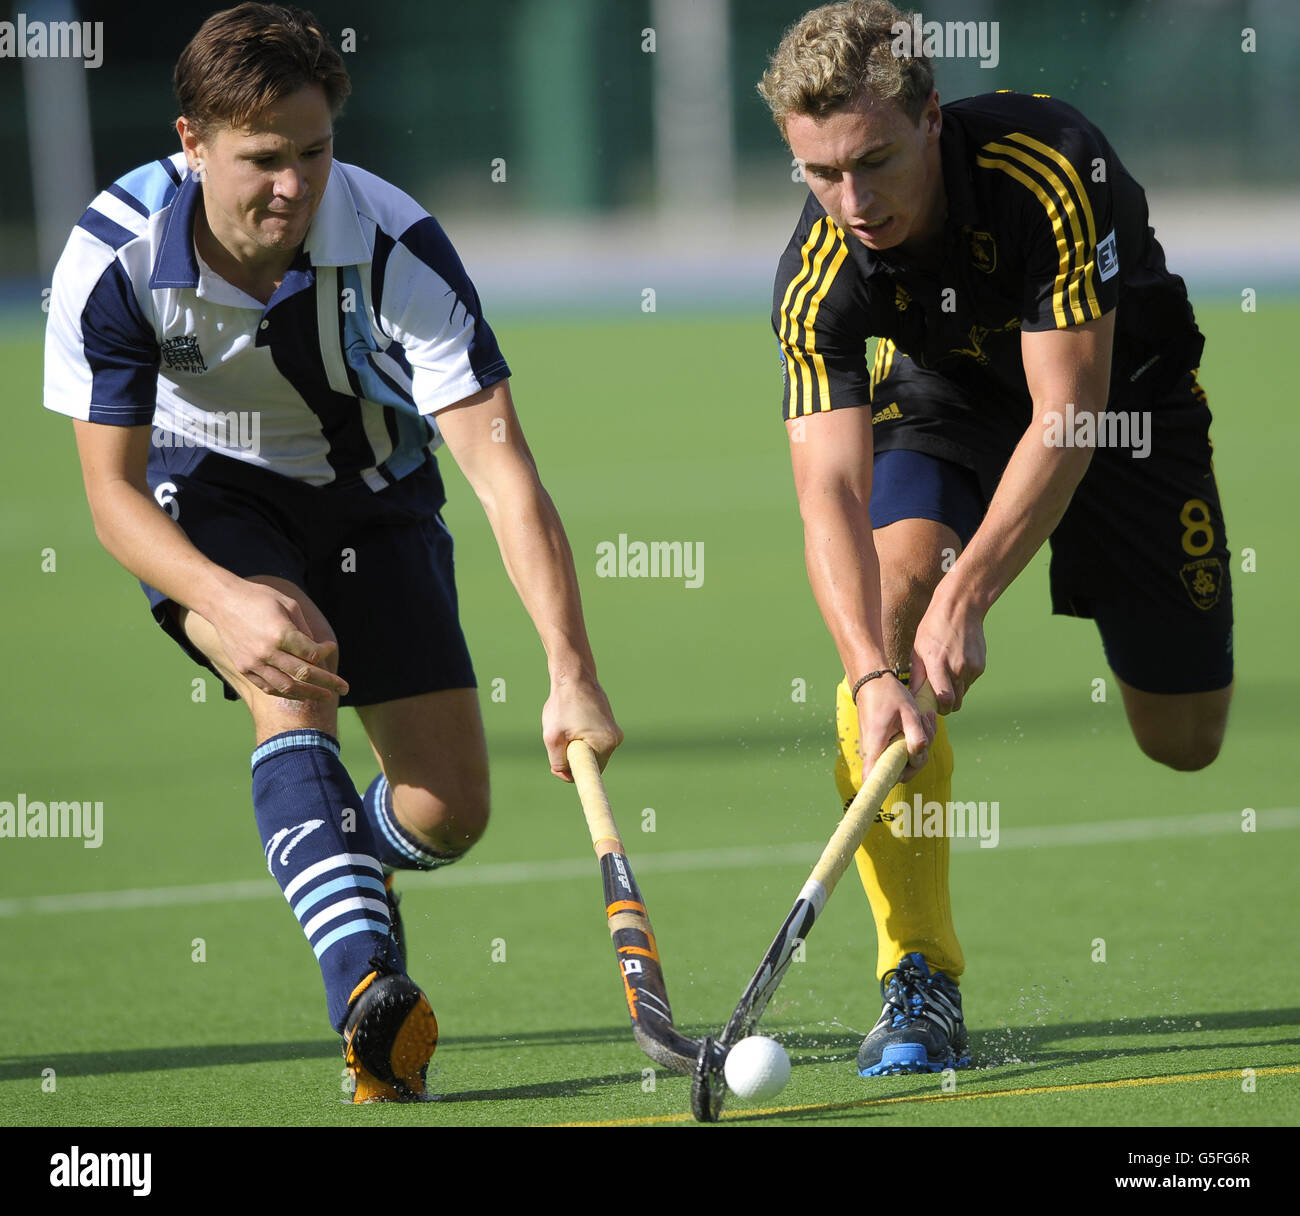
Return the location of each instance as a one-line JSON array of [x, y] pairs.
[[920, 1028]]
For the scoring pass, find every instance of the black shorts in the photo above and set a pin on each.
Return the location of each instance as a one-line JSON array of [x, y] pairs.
[[1141, 549], [378, 565]]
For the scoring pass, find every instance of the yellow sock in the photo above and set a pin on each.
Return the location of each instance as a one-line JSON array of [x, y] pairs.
[[906, 879]]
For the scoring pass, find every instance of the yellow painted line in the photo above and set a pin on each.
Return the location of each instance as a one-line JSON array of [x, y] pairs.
[[1224, 1074]]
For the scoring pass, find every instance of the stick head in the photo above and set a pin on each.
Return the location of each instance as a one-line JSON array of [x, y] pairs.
[[708, 1084]]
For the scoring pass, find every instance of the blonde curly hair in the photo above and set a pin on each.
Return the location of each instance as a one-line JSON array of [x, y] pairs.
[[836, 54]]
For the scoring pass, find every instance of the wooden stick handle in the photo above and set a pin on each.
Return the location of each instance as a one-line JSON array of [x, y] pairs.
[[862, 810], [595, 802]]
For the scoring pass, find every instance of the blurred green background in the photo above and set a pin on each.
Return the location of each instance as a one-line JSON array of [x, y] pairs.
[[590, 122]]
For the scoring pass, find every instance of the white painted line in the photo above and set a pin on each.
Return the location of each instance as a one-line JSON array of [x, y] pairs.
[[1120, 831], [1113, 831]]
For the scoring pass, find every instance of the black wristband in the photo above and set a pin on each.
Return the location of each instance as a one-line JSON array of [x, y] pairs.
[[872, 675]]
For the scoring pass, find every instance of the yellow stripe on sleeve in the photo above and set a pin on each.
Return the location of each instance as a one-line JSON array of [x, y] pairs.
[[810, 320], [1080, 193], [1085, 208], [1060, 290], [875, 368], [799, 341], [785, 332], [799, 308], [1079, 249]]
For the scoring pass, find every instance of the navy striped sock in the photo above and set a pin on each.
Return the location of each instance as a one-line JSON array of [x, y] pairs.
[[319, 847], [398, 848]]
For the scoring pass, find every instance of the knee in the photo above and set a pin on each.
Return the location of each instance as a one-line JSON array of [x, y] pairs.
[[907, 590], [448, 821], [905, 594], [324, 711], [273, 713], [1182, 731], [326, 657], [1187, 751]]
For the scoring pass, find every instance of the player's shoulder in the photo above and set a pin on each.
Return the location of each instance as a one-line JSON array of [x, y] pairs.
[[399, 221], [125, 211], [123, 223], [816, 239], [821, 277], [152, 187], [812, 216], [376, 199], [1007, 110], [1035, 120]]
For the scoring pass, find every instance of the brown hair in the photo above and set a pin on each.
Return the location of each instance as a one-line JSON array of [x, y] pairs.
[[835, 55], [245, 59]]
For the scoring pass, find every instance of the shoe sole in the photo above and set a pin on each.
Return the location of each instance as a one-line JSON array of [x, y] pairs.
[[910, 1058], [390, 1065]]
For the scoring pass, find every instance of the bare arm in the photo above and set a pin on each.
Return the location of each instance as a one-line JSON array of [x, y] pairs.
[[831, 454], [263, 631], [539, 562], [1066, 366]]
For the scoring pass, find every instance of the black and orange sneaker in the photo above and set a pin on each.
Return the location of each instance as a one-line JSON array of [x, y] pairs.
[[389, 1037]]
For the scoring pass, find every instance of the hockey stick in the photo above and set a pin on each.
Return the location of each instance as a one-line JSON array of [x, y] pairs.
[[629, 926], [708, 1086]]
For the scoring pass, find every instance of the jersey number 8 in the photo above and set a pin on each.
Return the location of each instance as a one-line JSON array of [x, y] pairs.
[[1198, 531]]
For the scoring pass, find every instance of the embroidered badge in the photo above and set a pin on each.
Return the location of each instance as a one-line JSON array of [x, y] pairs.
[[182, 354], [1203, 580], [983, 251]]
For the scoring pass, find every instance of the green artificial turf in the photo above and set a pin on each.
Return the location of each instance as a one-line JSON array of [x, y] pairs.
[[664, 430]]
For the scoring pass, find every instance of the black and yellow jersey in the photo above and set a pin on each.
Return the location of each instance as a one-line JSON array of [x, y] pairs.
[[1045, 230]]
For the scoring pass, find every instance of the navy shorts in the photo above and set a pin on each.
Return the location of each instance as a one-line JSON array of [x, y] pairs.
[[378, 565], [1141, 549]]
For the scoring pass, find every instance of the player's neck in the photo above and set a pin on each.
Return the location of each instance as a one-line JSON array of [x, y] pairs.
[[256, 271], [925, 243]]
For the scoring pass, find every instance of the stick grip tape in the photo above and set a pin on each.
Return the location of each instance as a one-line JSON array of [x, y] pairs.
[[595, 802]]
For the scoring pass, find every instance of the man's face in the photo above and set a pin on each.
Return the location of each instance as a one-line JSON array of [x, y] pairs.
[[875, 171], [261, 187]]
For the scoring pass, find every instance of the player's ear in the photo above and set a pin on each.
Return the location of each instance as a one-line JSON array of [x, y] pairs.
[[190, 141], [932, 116]]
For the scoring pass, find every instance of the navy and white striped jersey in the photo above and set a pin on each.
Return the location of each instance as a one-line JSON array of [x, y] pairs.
[[335, 381]]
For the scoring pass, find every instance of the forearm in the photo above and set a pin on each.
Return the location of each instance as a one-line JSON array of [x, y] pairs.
[[832, 463], [1032, 496], [144, 539], [844, 573], [538, 560], [1066, 369]]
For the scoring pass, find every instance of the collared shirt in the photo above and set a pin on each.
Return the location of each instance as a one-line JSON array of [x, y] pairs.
[[1045, 230], [335, 380]]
